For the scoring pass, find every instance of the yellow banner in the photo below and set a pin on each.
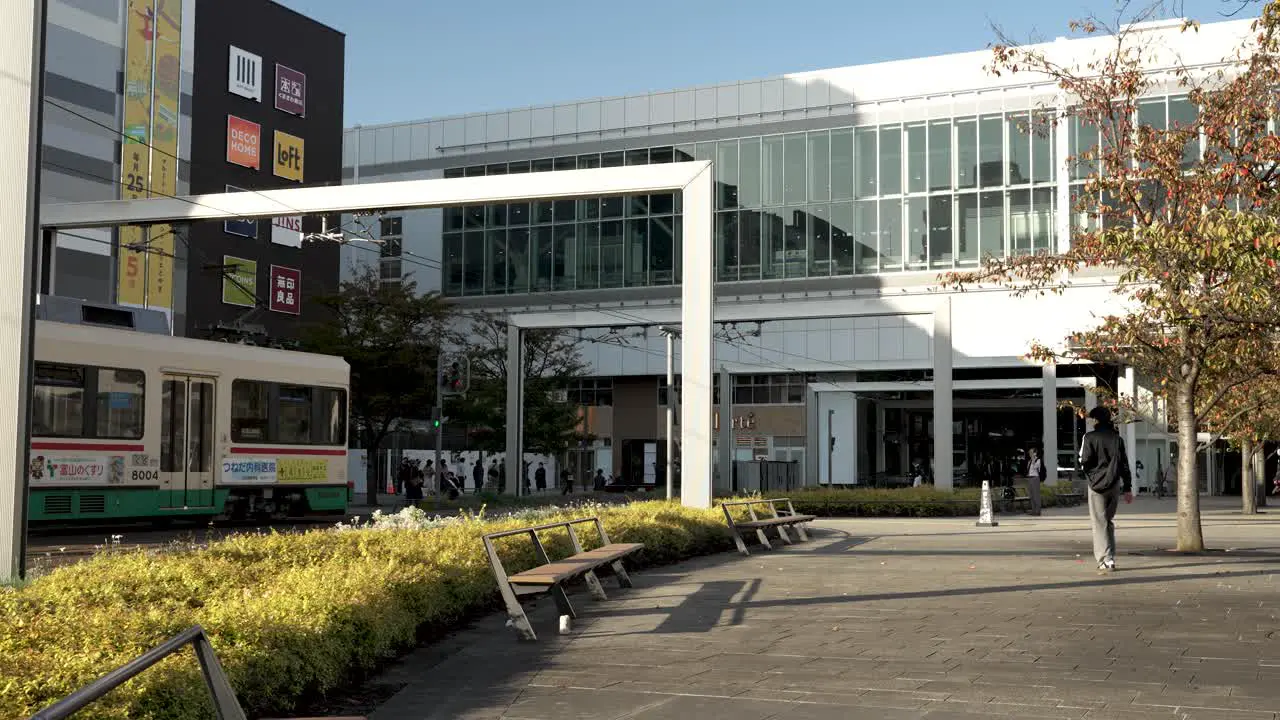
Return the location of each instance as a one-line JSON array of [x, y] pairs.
[[164, 141], [298, 471], [135, 164]]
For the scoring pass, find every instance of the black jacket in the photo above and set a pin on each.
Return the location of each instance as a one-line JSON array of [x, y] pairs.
[[1103, 459]]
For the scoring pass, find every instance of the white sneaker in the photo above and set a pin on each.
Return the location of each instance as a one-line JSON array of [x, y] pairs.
[[1107, 566]]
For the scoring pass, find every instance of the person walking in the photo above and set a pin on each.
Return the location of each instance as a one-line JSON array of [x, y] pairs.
[[566, 481], [477, 475], [540, 478], [1036, 475], [1105, 466]]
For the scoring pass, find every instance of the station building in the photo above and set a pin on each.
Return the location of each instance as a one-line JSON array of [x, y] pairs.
[[174, 97], [840, 196]]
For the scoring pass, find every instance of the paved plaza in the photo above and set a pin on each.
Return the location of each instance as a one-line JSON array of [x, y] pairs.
[[922, 618]]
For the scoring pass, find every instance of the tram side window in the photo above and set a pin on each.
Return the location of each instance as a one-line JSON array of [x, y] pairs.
[[265, 412], [250, 419], [57, 401], [61, 397], [120, 403]]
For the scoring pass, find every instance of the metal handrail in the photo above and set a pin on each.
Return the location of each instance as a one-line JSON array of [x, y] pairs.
[[760, 501], [224, 697], [537, 528]]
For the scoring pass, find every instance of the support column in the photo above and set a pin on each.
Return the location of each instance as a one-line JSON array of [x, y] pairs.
[[942, 397], [669, 438], [515, 409], [1129, 431], [881, 448], [812, 468], [21, 74], [1049, 422], [697, 308], [725, 462]]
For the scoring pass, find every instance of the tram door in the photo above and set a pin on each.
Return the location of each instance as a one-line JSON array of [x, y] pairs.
[[186, 441]]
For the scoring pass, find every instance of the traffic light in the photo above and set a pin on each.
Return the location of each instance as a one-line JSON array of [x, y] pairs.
[[455, 374], [435, 418]]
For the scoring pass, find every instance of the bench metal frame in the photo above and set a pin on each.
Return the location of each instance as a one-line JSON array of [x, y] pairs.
[[512, 591], [788, 514]]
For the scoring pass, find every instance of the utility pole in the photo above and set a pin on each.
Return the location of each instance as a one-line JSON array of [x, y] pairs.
[[671, 335], [21, 91]]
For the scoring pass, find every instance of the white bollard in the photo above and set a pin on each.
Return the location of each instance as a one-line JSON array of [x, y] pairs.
[[986, 516], [566, 624]]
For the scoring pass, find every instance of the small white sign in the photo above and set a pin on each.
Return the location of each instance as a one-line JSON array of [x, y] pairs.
[[248, 471], [287, 230], [244, 74]]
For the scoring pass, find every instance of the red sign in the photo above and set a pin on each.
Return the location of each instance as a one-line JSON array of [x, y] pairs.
[[286, 290], [244, 142]]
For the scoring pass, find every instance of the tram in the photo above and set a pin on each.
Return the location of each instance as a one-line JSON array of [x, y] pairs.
[[142, 425]]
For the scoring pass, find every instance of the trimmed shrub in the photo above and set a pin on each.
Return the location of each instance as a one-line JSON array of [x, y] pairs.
[[291, 616]]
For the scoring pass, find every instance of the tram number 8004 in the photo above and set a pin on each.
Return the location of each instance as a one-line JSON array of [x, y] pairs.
[[146, 475]]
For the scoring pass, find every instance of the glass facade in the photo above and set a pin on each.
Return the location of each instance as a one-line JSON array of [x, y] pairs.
[[925, 196]]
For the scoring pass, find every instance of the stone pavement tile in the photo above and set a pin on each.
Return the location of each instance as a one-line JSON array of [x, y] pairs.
[[684, 707], [1190, 699], [571, 704]]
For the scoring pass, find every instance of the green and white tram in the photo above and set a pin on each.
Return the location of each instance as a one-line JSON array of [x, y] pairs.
[[129, 424]]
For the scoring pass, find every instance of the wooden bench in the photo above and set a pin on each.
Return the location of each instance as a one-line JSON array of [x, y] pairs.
[[781, 520], [550, 576]]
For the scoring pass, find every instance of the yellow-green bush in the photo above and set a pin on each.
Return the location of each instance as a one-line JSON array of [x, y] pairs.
[[290, 616]]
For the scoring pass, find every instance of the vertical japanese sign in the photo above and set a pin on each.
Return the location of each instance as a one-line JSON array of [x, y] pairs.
[[135, 161], [164, 143], [286, 289]]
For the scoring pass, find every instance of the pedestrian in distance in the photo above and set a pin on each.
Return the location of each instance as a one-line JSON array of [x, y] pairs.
[[1036, 474], [540, 478], [1105, 466], [566, 481], [477, 475]]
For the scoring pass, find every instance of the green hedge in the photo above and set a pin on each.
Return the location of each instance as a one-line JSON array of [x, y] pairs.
[[291, 616]]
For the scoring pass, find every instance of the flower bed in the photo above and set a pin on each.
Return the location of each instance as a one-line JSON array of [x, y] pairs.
[[291, 616]]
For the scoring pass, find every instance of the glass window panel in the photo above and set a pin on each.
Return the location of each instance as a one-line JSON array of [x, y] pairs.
[[454, 172], [966, 153], [773, 244], [704, 151], [518, 260], [967, 237], [331, 412], [57, 401], [496, 260], [1085, 138], [865, 231], [1043, 231], [1151, 113], [842, 252], [891, 160], [796, 179], [819, 240], [727, 175], [473, 263], [661, 155], [589, 209], [566, 210], [173, 436], [611, 254], [991, 151], [940, 251], [1043, 163], [589, 161], [637, 205], [588, 275], [638, 157], [637, 252], [917, 158], [796, 242], [453, 219], [543, 165], [662, 251], [518, 213], [991, 209], [891, 234], [293, 415], [1020, 133], [1021, 221], [819, 166], [564, 261], [498, 169], [250, 419], [611, 159], [452, 265], [684, 153], [662, 203], [749, 240], [865, 158], [749, 173], [918, 232], [497, 215], [1182, 113], [611, 207], [771, 170], [474, 171], [727, 245], [544, 253], [566, 163], [940, 155], [119, 404], [842, 164], [543, 211], [517, 167], [473, 217]]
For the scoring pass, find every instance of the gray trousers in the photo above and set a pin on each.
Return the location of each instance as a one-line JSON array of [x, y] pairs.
[[1033, 494], [1102, 515]]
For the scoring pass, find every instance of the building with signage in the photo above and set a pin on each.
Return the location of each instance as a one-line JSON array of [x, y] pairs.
[[841, 195], [172, 97]]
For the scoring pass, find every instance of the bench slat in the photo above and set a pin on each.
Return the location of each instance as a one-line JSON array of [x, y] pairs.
[[560, 570], [770, 522]]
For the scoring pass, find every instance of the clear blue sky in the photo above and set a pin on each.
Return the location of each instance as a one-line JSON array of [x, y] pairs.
[[412, 59]]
